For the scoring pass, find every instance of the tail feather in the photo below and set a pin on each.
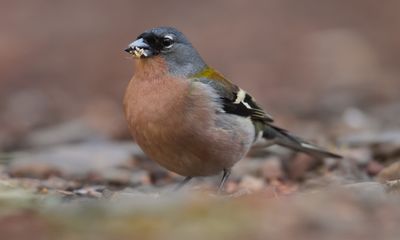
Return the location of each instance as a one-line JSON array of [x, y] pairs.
[[283, 138]]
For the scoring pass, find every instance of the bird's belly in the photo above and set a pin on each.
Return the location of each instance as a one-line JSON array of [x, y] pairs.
[[194, 151], [188, 138]]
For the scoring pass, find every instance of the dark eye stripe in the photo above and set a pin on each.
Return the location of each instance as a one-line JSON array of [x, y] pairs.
[[156, 42]]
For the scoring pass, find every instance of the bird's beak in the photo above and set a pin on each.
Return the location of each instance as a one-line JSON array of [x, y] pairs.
[[139, 49]]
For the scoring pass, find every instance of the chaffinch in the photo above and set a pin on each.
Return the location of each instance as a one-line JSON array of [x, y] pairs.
[[188, 117]]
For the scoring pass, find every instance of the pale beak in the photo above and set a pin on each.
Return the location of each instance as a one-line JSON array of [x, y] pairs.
[[139, 48]]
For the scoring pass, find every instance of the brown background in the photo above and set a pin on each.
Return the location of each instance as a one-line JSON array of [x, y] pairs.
[[302, 60]]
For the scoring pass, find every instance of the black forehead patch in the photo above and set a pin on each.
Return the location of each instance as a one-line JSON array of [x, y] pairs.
[[154, 41]]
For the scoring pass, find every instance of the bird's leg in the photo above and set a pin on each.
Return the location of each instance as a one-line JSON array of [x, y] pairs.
[[181, 184], [225, 176]]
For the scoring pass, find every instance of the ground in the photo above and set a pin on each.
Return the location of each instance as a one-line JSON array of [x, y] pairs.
[[111, 190]]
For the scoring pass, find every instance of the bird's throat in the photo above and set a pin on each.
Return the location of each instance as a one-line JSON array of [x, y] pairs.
[[150, 68]]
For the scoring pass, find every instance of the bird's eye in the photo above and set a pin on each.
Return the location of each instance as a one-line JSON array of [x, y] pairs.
[[167, 42]]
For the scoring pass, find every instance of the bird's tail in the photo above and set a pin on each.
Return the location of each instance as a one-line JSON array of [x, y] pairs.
[[283, 138]]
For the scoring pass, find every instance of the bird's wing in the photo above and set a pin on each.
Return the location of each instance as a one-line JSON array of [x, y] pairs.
[[235, 100], [243, 104]]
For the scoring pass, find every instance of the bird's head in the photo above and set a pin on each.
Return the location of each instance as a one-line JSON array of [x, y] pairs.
[[169, 44]]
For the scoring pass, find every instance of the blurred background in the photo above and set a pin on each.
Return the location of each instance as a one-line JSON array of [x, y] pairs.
[[311, 64], [327, 70]]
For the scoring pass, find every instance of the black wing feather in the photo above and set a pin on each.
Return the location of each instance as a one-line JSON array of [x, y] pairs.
[[246, 108]]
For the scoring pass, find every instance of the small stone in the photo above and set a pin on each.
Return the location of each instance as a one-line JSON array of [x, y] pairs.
[[65, 193], [355, 118], [252, 184], [285, 188], [116, 176], [92, 192], [140, 177], [392, 172], [272, 169], [374, 167], [298, 166], [393, 186], [231, 187]]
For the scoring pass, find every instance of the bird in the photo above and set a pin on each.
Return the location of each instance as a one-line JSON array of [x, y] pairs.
[[191, 119]]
